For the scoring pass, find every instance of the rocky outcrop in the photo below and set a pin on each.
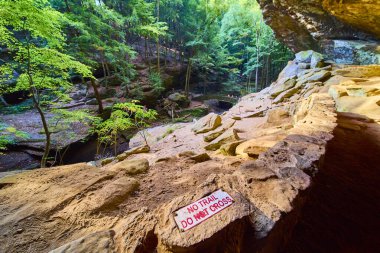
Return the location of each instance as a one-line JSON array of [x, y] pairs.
[[131, 167], [207, 123], [265, 158], [180, 99], [348, 31], [357, 90], [135, 150]]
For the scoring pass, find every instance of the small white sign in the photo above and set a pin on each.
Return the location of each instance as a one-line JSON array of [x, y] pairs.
[[191, 215]]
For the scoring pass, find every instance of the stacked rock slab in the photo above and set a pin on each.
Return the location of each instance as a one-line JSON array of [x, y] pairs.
[[263, 152]]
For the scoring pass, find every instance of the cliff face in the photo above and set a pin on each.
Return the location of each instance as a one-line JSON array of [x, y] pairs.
[[347, 31]]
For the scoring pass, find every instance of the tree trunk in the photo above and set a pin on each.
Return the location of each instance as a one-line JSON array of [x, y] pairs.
[[97, 96], [46, 131], [146, 49], [267, 71], [249, 82], [158, 38], [188, 74], [36, 101], [257, 56], [166, 55], [115, 147], [2, 100], [108, 69], [105, 73]]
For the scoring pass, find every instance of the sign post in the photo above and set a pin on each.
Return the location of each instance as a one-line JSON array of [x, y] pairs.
[[195, 213]]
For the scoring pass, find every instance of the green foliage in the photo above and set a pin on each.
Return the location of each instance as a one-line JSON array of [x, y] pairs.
[[10, 136], [33, 34], [156, 82], [124, 116], [154, 30], [19, 108], [64, 122], [98, 36], [249, 42]]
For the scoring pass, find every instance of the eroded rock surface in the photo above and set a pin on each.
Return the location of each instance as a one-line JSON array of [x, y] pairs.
[[264, 152], [348, 31]]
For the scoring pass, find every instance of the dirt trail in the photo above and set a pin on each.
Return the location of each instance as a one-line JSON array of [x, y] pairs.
[[343, 211]]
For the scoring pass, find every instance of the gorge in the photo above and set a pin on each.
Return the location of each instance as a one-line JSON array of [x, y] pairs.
[[293, 142]]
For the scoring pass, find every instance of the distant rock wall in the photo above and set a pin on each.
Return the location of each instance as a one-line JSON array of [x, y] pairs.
[[346, 30]]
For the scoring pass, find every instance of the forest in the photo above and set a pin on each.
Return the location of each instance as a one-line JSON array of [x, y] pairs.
[[189, 126], [131, 55]]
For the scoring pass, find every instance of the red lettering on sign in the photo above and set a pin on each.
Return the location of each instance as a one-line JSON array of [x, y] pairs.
[[197, 212], [188, 222], [192, 208], [201, 215], [184, 224]]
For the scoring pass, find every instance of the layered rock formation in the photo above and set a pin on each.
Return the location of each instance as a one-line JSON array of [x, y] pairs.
[[348, 31], [263, 152]]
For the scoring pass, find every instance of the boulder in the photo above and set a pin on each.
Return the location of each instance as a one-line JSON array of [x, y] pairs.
[[336, 91], [304, 66], [107, 161], [78, 94], [200, 158], [321, 76], [292, 69], [305, 73], [277, 115], [281, 86], [255, 147], [180, 99], [287, 94], [229, 149], [92, 101], [207, 123], [188, 153], [316, 60], [210, 136], [131, 167], [304, 56], [136, 150], [108, 197], [229, 136]]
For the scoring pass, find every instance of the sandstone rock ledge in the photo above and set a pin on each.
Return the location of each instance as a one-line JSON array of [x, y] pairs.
[[275, 141]]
